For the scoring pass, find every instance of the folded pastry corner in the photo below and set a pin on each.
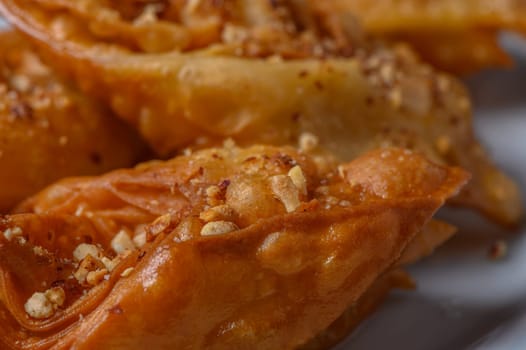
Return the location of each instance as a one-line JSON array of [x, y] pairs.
[[256, 248], [434, 234]]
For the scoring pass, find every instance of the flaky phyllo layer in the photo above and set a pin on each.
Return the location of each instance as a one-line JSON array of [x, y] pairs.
[[457, 36], [228, 247], [191, 73]]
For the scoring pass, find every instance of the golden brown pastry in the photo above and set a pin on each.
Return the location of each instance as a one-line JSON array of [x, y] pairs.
[[434, 234], [365, 306], [256, 248], [48, 130], [191, 73], [458, 36]]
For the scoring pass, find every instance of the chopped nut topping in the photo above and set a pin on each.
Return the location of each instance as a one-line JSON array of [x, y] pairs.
[[285, 190], [127, 272], [56, 296], [213, 191], [21, 83], [229, 143], [88, 264], [322, 190], [217, 213], [80, 210], [218, 228], [43, 305], [38, 306], [216, 193], [148, 15], [308, 142], [11, 233], [95, 277], [298, 178], [122, 242], [233, 34], [84, 249], [395, 97], [40, 251], [387, 72], [140, 239], [160, 224], [110, 264], [341, 172], [345, 203]]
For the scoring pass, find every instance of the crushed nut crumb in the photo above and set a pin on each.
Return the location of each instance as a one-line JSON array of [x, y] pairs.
[[127, 272], [95, 277], [218, 228], [222, 212], [285, 190], [148, 15], [345, 203], [140, 239], [56, 296], [215, 194], [84, 249], [298, 179], [229, 143], [13, 232], [88, 264], [38, 306], [395, 97], [160, 224], [110, 264], [308, 142], [122, 242], [341, 172], [233, 34], [43, 305], [40, 251]]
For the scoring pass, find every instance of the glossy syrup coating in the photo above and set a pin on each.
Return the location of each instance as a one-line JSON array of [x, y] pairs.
[[192, 73], [256, 248], [48, 130]]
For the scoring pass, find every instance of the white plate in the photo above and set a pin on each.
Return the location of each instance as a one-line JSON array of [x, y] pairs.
[[464, 300]]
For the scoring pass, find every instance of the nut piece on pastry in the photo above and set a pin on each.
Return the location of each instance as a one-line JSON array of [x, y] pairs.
[[273, 280], [458, 36], [48, 130], [191, 73]]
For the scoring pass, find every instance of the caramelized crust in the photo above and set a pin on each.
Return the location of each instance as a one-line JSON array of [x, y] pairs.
[[246, 28], [287, 74], [48, 130], [274, 279]]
